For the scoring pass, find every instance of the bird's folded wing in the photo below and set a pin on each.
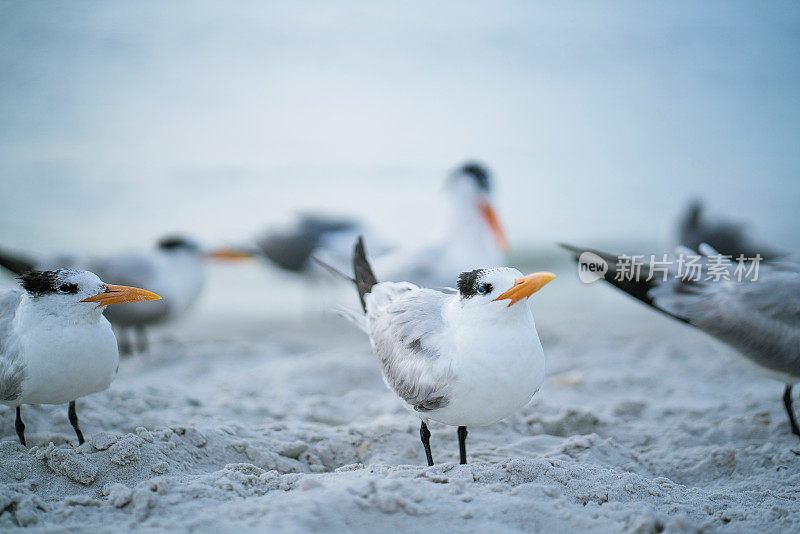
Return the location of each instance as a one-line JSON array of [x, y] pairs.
[[759, 318], [12, 368], [291, 248], [774, 296], [413, 343]]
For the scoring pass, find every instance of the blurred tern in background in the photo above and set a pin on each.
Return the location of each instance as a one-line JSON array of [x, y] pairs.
[[473, 237], [759, 318], [175, 269], [725, 236], [465, 358], [55, 344], [329, 238]]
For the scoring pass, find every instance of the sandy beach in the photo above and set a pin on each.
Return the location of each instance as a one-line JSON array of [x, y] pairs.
[[643, 425], [261, 410]]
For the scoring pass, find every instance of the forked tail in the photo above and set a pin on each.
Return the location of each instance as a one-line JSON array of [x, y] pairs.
[[364, 277]]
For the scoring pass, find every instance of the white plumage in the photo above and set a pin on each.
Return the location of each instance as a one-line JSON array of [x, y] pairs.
[[453, 360], [55, 344], [469, 358]]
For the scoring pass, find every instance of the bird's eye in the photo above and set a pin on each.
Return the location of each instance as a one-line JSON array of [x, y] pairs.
[[68, 288], [483, 289]]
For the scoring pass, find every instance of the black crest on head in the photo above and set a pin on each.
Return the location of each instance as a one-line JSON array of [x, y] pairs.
[[39, 283], [468, 282], [478, 172], [176, 242]]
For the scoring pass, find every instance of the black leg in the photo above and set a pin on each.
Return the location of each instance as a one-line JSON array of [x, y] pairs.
[[462, 443], [787, 401], [20, 427], [73, 418], [124, 342], [141, 339], [425, 436]]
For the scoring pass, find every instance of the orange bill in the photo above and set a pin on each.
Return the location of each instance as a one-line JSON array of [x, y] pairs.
[[491, 218], [526, 286], [117, 294], [231, 254]]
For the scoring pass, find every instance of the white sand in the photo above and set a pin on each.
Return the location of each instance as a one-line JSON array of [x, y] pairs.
[[642, 426]]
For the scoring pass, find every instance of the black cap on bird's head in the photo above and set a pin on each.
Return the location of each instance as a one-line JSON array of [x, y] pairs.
[[477, 172], [39, 283], [469, 282], [178, 243]]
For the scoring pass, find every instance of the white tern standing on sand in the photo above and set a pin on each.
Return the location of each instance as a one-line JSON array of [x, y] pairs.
[[55, 343], [465, 358], [175, 269]]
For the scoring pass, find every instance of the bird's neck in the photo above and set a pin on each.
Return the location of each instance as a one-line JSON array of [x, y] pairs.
[[495, 315], [466, 225], [183, 257], [33, 313]]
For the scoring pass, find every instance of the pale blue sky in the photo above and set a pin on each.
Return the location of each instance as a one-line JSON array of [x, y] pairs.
[[600, 120]]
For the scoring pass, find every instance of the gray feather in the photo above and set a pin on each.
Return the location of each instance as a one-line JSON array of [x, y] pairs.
[[12, 368], [408, 334], [292, 249], [760, 319]]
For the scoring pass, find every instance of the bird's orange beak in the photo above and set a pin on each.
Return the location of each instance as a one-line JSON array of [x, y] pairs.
[[229, 254], [117, 294], [491, 218], [526, 286]]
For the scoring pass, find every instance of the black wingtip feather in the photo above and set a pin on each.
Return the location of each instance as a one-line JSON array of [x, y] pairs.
[[16, 263], [636, 288], [364, 277]]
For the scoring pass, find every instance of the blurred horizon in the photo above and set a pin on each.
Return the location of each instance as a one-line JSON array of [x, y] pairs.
[[126, 121]]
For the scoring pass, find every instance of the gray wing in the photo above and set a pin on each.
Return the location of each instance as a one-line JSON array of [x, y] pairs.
[[291, 249], [759, 318], [412, 342], [12, 368]]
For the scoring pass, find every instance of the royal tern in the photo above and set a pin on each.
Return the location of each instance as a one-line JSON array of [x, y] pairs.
[[175, 269], [694, 227], [55, 344], [473, 237], [759, 318], [465, 358]]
